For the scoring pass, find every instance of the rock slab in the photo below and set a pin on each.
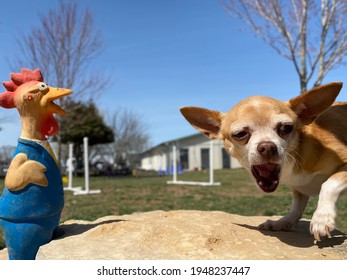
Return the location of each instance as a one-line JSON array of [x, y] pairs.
[[187, 235]]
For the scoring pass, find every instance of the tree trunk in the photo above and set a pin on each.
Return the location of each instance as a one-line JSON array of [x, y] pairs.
[[303, 84]]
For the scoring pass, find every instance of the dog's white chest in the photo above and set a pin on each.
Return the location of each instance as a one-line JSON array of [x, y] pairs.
[[304, 182]]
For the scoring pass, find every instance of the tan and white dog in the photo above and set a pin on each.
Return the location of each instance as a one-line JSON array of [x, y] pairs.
[[301, 143]]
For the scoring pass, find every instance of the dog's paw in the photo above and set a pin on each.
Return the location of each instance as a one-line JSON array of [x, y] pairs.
[[281, 224], [322, 223]]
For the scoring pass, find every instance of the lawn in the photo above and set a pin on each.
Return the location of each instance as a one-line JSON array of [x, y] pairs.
[[237, 194]]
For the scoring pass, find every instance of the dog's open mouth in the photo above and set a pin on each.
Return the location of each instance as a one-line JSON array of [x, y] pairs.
[[267, 176]]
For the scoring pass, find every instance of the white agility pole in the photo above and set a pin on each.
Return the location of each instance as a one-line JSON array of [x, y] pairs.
[[211, 174], [70, 169], [211, 164], [174, 158], [86, 172]]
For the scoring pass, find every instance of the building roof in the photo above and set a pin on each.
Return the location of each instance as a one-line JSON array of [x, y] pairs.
[[168, 143]]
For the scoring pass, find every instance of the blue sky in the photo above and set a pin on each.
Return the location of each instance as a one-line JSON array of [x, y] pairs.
[[163, 55]]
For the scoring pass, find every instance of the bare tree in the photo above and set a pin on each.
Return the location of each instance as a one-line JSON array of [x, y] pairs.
[[3, 118], [6, 154], [130, 136], [312, 34], [63, 47]]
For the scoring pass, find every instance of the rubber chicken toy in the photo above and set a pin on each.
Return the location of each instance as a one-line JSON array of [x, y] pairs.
[[33, 197]]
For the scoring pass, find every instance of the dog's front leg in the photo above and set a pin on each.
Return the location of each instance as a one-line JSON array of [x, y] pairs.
[[299, 203], [323, 219]]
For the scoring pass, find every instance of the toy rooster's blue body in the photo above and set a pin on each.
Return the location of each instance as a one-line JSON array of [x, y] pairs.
[[29, 216], [33, 198]]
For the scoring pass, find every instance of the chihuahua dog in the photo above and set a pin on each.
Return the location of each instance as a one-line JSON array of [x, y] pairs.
[[301, 143]]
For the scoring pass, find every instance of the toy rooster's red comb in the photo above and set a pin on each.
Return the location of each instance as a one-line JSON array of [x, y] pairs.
[[17, 79]]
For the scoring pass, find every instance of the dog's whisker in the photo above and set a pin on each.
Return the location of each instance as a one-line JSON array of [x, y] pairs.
[[289, 154]]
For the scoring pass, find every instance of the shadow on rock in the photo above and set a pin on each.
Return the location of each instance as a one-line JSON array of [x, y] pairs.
[[64, 231], [300, 236]]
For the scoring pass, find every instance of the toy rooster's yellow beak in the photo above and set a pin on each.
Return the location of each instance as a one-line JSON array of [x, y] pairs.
[[50, 96]]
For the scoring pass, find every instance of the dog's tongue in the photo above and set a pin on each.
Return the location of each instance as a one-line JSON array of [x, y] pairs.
[[267, 176], [266, 170]]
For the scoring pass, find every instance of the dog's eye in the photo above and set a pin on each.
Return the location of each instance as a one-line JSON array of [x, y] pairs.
[[240, 135], [284, 129]]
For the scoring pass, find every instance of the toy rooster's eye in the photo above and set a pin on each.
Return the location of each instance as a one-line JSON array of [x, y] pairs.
[[42, 87]]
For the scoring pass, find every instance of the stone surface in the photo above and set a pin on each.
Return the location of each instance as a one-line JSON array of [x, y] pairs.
[[187, 235]]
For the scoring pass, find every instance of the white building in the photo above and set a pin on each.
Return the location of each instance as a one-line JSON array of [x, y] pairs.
[[192, 154]]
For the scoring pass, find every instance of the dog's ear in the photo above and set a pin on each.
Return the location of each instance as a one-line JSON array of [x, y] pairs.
[[204, 120], [314, 102]]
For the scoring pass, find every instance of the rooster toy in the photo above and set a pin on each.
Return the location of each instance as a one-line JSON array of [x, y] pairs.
[[33, 197]]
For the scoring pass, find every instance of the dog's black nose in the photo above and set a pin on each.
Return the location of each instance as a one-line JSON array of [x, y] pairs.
[[267, 150]]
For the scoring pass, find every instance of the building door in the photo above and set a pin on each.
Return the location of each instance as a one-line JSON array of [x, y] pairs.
[[226, 159], [205, 158], [184, 159]]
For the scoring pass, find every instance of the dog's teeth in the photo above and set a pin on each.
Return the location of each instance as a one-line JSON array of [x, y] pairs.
[[260, 183]]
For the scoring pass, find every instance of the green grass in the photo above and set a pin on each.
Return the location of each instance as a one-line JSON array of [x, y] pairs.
[[237, 194]]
